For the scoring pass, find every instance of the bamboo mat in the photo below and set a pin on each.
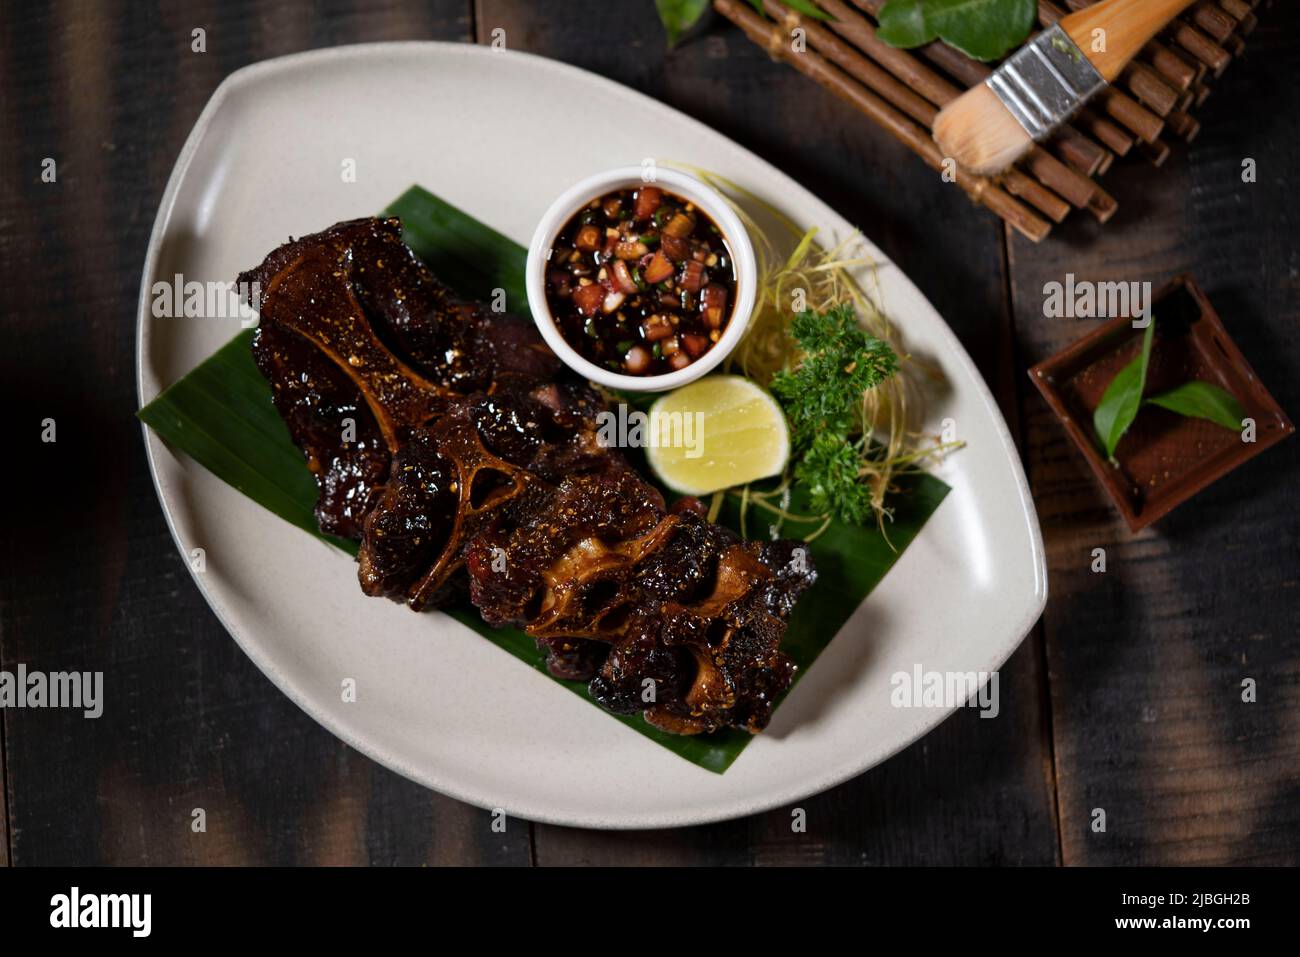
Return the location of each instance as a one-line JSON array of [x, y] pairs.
[[1151, 105]]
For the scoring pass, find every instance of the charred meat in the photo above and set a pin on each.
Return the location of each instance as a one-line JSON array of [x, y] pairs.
[[361, 343], [448, 441]]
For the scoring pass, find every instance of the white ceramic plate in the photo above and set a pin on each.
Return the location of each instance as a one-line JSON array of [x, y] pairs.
[[435, 701]]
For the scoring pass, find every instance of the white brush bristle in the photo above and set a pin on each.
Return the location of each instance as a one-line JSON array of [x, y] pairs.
[[980, 133]]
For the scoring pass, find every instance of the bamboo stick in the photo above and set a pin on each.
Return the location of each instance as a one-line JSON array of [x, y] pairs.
[[1103, 207], [1237, 9], [1184, 125], [1151, 89], [1214, 20], [1173, 66], [1140, 121], [1111, 134], [1079, 152], [1200, 46], [1157, 152]]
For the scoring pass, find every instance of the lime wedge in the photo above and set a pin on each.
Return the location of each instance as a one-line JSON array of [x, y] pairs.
[[720, 431]]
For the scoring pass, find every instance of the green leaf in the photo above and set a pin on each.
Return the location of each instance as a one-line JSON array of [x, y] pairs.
[[1202, 400], [678, 16], [221, 415], [983, 29], [1123, 397], [903, 24]]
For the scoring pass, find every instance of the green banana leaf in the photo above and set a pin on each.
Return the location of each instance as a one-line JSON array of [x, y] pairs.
[[220, 414]]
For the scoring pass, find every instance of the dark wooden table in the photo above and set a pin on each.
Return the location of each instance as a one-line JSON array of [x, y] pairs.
[[1126, 697]]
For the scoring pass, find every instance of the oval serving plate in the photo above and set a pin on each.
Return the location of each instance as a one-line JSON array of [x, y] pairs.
[[436, 702]]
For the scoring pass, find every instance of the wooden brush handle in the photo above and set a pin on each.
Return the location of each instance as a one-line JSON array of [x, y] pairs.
[[1129, 25]]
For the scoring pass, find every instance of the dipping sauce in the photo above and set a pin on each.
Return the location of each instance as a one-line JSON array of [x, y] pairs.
[[641, 282]]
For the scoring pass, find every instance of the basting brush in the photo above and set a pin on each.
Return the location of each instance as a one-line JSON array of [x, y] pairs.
[[992, 125]]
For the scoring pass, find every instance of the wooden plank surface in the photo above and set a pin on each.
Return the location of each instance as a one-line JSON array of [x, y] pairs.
[[975, 790], [1147, 659]]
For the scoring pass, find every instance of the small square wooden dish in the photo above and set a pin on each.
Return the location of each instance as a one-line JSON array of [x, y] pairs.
[[1164, 459]]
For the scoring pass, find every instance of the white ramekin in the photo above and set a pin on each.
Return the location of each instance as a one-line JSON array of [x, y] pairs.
[[671, 181]]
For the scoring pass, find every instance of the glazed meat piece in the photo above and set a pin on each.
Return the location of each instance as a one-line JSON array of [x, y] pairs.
[[407, 529], [550, 428], [360, 272], [691, 615], [557, 571], [314, 297], [498, 452], [573, 659], [361, 343], [738, 668], [330, 422], [619, 683]]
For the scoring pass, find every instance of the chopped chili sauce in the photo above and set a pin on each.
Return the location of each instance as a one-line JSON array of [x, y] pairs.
[[641, 282]]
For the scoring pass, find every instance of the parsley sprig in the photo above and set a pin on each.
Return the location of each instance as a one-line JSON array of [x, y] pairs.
[[831, 469], [840, 361], [822, 399]]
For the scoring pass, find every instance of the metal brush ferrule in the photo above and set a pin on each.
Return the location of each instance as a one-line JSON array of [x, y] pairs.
[[1045, 82]]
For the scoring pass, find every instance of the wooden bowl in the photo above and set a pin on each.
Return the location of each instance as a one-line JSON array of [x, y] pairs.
[[1164, 458]]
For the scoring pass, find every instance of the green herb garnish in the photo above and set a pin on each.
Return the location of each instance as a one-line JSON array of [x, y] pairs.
[[840, 361], [822, 398], [831, 470]]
